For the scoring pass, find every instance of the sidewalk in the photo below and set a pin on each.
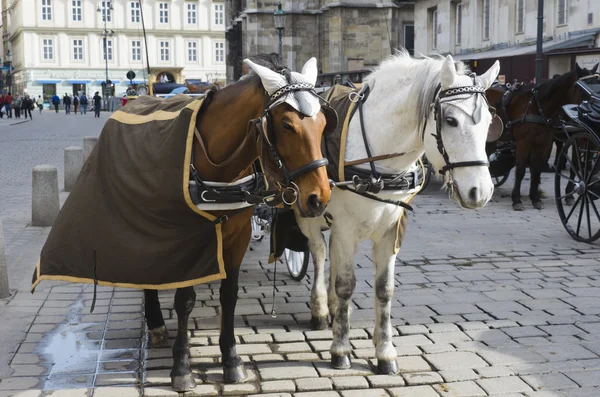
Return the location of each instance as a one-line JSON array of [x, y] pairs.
[[471, 319]]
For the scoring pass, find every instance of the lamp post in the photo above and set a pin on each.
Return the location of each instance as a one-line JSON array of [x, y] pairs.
[[539, 56], [106, 8], [279, 16], [8, 65]]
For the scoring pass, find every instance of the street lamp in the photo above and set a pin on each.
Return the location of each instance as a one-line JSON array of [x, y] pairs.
[[8, 65], [106, 8], [279, 17]]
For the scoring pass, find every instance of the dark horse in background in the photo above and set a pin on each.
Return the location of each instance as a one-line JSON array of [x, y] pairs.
[[528, 112]]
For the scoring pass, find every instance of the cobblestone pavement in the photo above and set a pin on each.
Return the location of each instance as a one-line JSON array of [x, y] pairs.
[[488, 302]]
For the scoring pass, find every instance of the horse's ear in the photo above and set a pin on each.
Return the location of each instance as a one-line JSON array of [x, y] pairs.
[[309, 70], [487, 79], [595, 68], [448, 74], [271, 80], [578, 70]]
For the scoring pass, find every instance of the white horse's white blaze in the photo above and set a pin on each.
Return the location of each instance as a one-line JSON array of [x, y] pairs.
[[399, 105]]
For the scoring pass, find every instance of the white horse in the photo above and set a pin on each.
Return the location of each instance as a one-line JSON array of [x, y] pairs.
[[400, 116]]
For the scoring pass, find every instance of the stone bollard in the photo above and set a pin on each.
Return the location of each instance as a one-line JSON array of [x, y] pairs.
[[88, 145], [73, 164], [45, 203], [4, 291]]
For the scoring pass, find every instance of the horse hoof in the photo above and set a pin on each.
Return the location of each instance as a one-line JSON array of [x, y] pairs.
[[518, 207], [569, 201], [387, 367], [341, 361], [158, 337], [183, 383], [234, 374], [538, 205], [319, 323]]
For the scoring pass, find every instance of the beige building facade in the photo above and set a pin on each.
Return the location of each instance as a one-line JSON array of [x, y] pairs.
[[58, 45], [479, 30], [350, 35]]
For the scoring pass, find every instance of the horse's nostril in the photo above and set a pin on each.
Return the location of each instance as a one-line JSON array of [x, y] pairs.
[[473, 194], [314, 203]]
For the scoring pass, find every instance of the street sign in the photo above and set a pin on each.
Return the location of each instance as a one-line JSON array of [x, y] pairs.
[[130, 75]]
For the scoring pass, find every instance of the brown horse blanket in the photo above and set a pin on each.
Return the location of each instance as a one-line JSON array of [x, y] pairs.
[[129, 220]]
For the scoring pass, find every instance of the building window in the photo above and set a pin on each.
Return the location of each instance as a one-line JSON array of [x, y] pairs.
[[165, 56], [163, 12], [563, 12], [191, 13], [108, 53], [434, 30], [590, 18], [106, 12], [486, 19], [219, 14], [192, 48], [459, 23], [46, 10], [219, 52], [520, 16], [136, 50], [78, 50], [76, 6], [134, 7], [48, 49]]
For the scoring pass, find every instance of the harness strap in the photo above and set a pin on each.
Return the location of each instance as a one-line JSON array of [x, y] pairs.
[[374, 158]]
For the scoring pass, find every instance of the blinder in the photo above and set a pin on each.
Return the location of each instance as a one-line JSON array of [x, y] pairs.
[[331, 117]]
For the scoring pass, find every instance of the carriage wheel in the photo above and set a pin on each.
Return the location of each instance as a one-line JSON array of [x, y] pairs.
[[577, 187], [499, 180], [297, 263], [257, 229]]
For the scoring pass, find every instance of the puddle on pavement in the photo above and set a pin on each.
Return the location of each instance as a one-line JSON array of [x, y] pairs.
[[72, 355]]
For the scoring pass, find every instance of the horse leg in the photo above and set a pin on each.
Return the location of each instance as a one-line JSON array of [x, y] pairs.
[[521, 163], [158, 336], [233, 254], [342, 249], [182, 378], [385, 259], [537, 160], [318, 249], [332, 299]]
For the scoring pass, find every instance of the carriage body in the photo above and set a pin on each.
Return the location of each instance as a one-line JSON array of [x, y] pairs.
[[577, 178]]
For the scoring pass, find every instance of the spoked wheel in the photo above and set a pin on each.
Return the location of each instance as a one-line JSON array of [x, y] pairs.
[[577, 187], [297, 263], [500, 179]]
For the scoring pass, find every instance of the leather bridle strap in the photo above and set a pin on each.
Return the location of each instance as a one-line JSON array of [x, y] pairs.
[[374, 158]]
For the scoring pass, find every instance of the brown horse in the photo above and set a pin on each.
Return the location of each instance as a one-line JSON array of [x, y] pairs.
[[527, 112], [224, 152]]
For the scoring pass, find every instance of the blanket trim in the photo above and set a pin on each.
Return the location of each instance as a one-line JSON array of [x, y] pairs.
[[140, 119]]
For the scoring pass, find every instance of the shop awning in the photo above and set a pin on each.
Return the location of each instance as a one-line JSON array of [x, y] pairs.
[[48, 81], [114, 81], [138, 81], [76, 81]]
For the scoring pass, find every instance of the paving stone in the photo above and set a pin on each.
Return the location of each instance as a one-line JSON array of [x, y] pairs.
[[116, 392], [411, 340], [20, 383], [268, 357], [582, 392], [365, 393], [459, 389], [458, 375], [349, 382], [276, 371], [385, 380], [549, 381], [359, 368], [422, 378], [238, 389], [317, 394], [257, 338], [24, 393], [472, 326], [455, 360], [449, 337], [284, 348], [78, 392], [509, 356], [497, 371], [313, 384], [511, 384], [412, 364], [585, 379], [278, 386], [524, 332], [563, 352], [30, 370], [412, 329], [455, 308], [487, 335], [414, 391], [164, 391], [438, 348], [319, 335], [289, 337]]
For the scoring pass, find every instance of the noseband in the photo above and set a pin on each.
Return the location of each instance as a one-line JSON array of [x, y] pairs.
[[264, 126], [437, 108]]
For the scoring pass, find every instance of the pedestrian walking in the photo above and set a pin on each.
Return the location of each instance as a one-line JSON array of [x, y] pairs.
[[97, 102], [2, 99], [55, 101], [26, 106], [17, 105], [7, 105], [83, 101], [75, 103], [40, 103], [67, 103]]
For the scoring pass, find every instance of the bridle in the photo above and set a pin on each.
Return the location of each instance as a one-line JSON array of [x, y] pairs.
[[263, 126], [437, 113]]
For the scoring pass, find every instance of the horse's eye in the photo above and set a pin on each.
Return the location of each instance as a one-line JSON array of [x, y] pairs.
[[451, 121], [288, 126]]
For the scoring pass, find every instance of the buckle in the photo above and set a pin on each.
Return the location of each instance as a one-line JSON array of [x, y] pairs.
[[404, 184]]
